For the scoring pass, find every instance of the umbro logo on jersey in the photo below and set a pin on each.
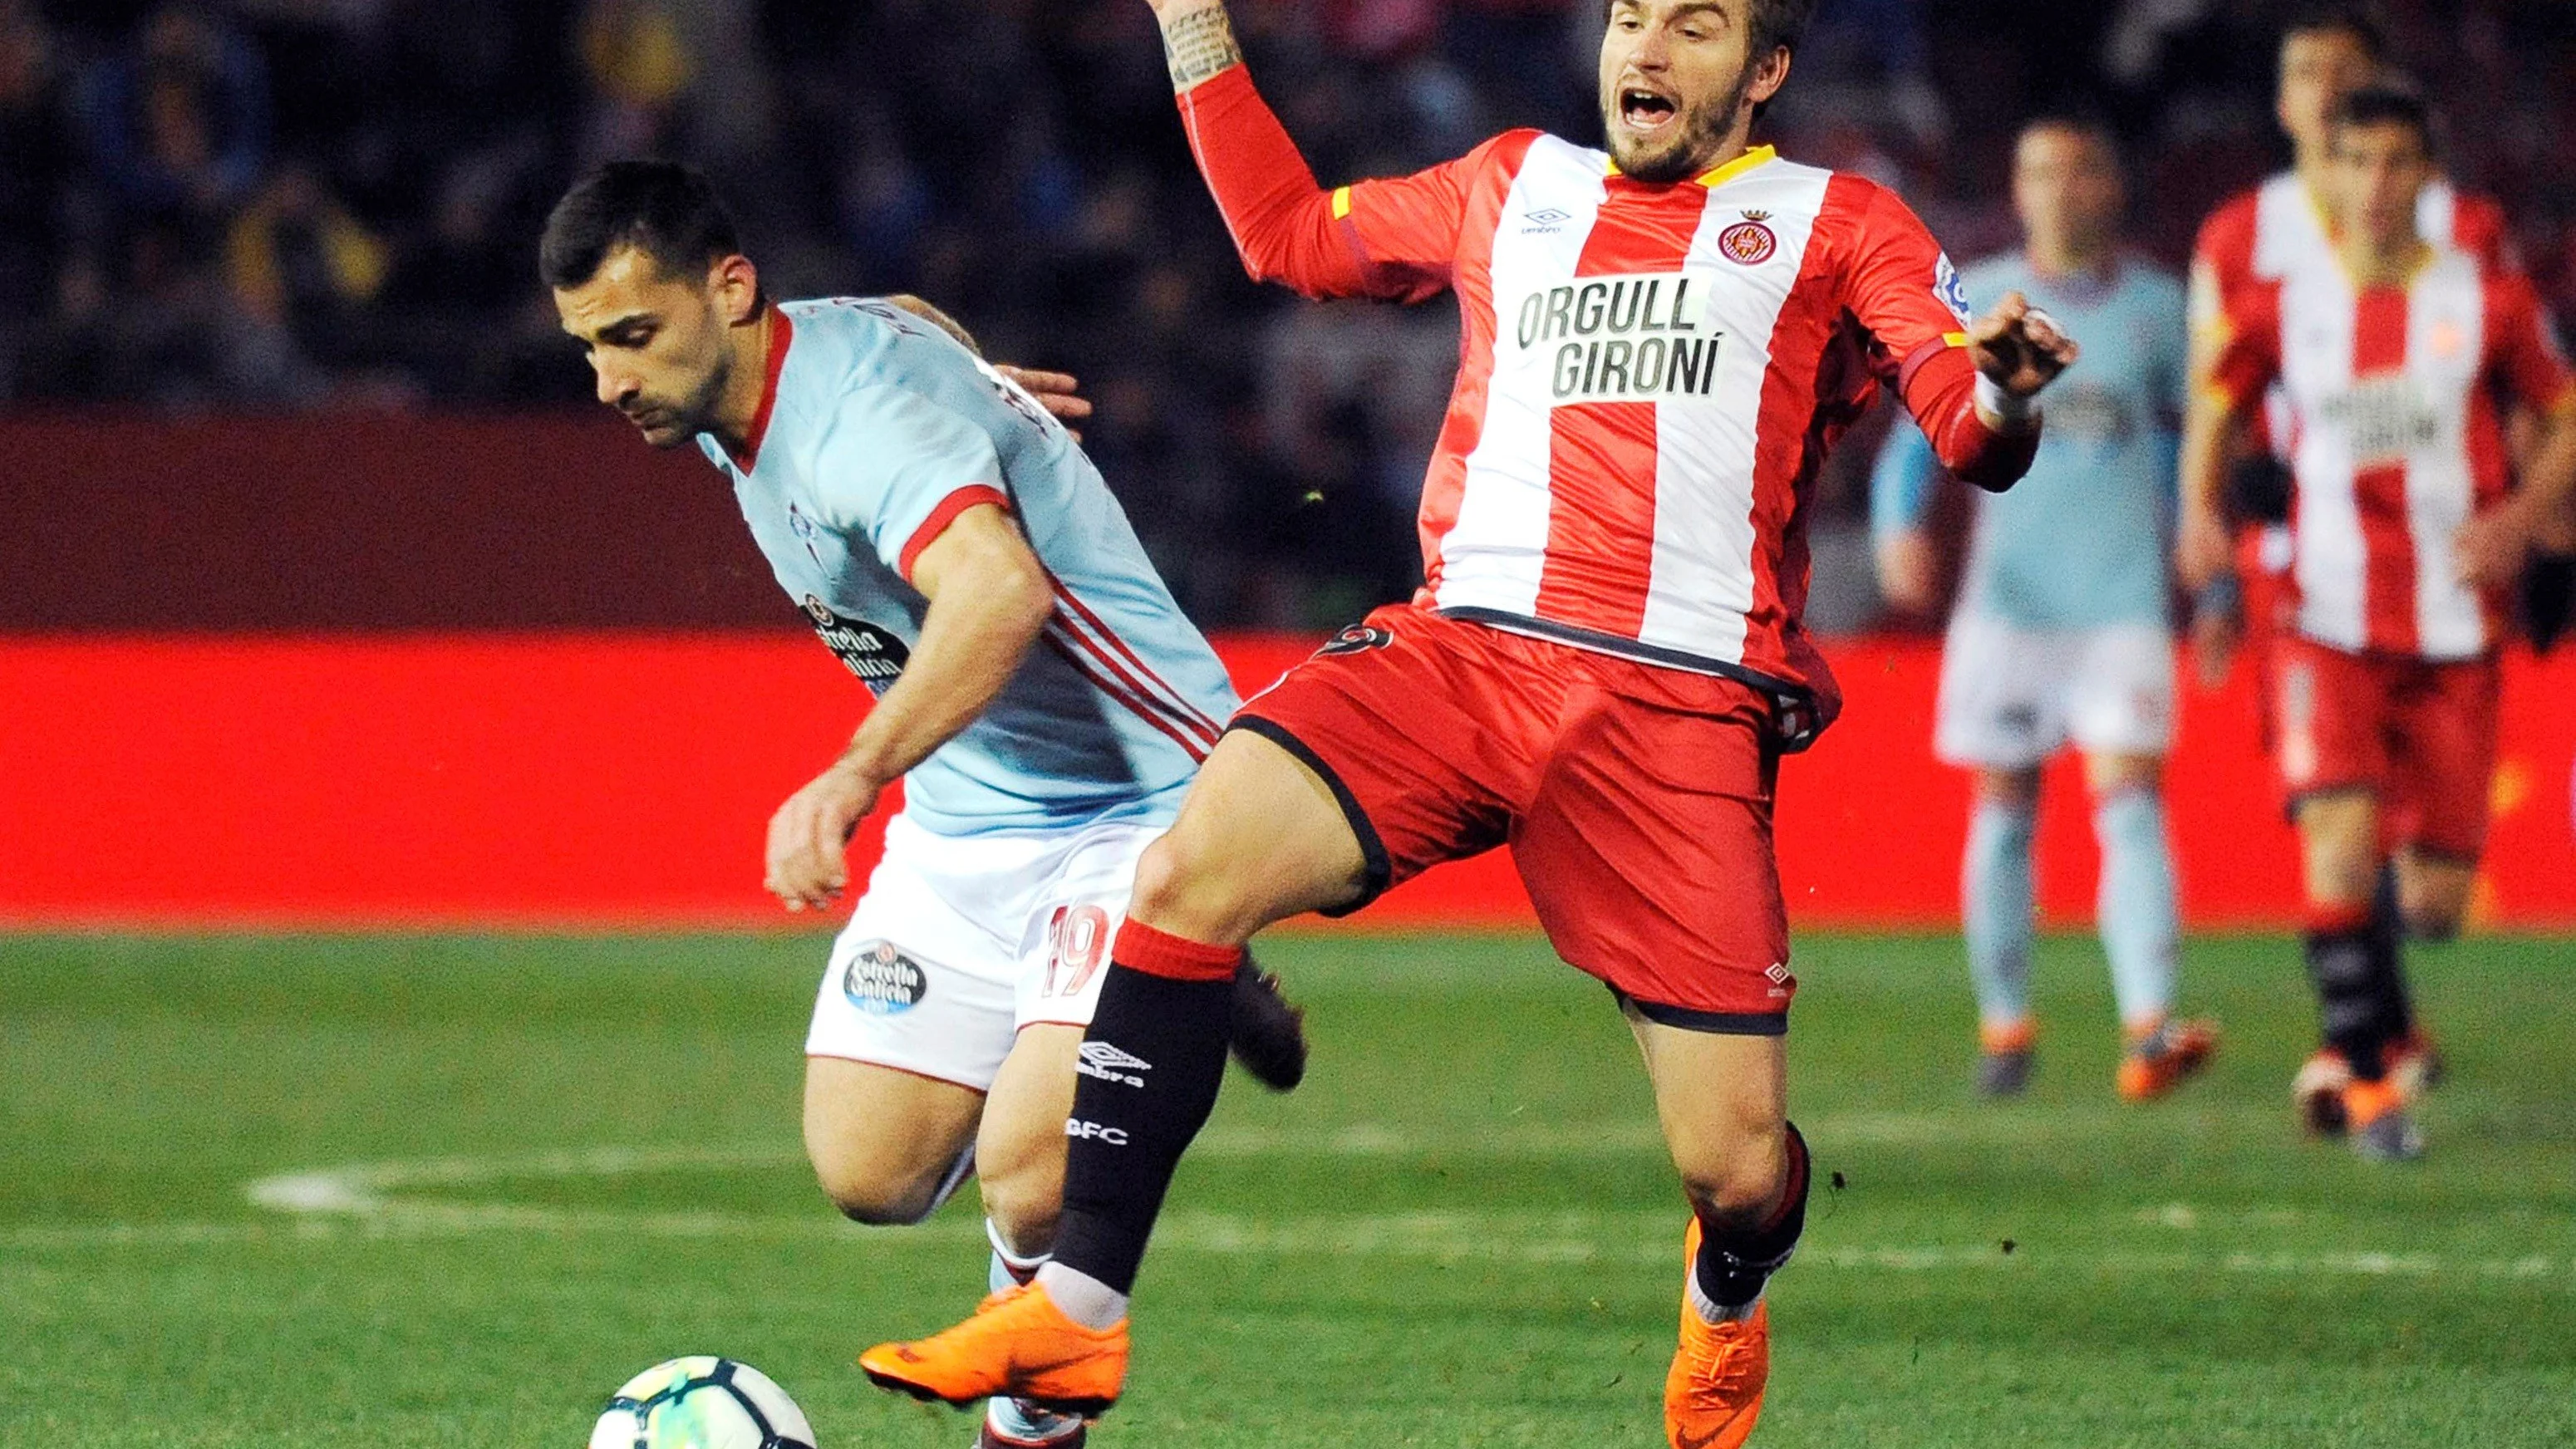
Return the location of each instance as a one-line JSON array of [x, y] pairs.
[[1109, 1064], [1545, 221]]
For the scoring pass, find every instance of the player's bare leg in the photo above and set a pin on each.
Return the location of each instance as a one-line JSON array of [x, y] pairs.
[[2352, 961], [1723, 1102], [2428, 896], [1019, 1149], [1996, 911], [2433, 893], [887, 1146], [1019, 1163], [1260, 837], [2140, 924]]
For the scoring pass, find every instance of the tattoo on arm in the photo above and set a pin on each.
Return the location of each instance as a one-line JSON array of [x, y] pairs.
[[1200, 45]]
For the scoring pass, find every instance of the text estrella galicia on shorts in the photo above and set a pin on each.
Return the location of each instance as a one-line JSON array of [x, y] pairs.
[[1356, 638], [882, 981]]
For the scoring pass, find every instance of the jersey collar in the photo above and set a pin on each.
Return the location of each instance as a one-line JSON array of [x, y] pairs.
[[781, 333], [1720, 175]]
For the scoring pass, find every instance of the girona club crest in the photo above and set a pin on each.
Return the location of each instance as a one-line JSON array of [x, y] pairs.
[[1749, 242]]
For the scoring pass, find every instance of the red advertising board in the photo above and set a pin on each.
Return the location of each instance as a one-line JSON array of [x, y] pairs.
[[611, 779]]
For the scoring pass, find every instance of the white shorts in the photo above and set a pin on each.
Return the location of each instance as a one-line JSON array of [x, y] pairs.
[[961, 941], [2011, 697]]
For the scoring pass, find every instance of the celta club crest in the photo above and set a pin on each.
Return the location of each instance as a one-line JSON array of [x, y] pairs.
[[820, 612], [1749, 242]]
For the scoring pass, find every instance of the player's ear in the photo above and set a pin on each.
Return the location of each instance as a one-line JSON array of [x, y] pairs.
[[1769, 74], [736, 285]]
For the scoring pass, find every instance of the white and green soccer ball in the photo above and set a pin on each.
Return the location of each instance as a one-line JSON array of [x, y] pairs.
[[702, 1402]]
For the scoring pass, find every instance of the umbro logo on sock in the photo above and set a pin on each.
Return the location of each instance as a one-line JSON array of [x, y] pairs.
[[1109, 1064]]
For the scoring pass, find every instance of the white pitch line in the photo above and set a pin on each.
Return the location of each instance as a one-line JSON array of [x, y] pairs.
[[378, 1200], [365, 1201]]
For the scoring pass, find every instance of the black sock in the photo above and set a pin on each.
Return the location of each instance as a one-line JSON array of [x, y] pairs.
[[1151, 1065], [2350, 995], [2387, 956], [1732, 1267]]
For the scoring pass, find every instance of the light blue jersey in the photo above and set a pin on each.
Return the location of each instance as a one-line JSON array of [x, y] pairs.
[[2081, 542], [877, 430]]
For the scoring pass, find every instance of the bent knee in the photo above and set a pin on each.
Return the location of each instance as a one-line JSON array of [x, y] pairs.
[[1741, 1187], [1165, 875], [879, 1198]]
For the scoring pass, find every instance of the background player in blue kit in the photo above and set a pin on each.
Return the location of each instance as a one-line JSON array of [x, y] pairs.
[[2062, 629], [1040, 695]]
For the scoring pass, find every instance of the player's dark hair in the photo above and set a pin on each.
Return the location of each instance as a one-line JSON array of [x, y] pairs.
[[665, 210], [2344, 18], [2382, 104], [2090, 124], [1777, 23]]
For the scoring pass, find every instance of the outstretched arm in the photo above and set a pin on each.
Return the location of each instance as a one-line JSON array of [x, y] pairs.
[[1385, 239], [1977, 400]]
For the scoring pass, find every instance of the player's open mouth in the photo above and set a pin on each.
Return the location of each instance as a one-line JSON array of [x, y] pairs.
[[1643, 110]]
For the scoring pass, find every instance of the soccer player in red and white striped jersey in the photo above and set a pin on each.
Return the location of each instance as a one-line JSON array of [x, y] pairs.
[[2328, 49], [2396, 364], [1660, 342]]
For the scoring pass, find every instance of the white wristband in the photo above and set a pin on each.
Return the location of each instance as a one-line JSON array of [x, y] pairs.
[[2012, 414]]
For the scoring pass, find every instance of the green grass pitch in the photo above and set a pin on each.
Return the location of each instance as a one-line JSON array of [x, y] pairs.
[[497, 1176]]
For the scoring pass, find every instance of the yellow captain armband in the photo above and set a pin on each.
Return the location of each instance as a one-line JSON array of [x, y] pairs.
[[1341, 202], [1954, 339]]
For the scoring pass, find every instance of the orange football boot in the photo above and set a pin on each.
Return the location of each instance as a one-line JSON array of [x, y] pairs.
[[1714, 1393], [2161, 1057], [2381, 1127], [1018, 1343]]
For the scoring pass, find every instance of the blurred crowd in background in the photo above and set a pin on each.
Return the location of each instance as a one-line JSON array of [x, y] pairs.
[[299, 204]]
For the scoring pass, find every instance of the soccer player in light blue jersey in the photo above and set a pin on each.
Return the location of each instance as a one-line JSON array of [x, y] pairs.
[[1039, 693], [2062, 630]]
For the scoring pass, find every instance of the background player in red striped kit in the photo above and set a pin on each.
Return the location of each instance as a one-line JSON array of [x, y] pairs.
[[2396, 364], [1606, 659]]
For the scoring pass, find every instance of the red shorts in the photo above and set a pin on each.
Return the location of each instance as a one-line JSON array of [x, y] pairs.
[[2418, 733], [1636, 799]]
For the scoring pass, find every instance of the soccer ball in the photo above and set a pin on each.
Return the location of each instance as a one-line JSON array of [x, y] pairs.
[[702, 1402]]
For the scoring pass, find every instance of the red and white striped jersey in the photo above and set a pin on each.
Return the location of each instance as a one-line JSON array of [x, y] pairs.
[[1649, 375], [2264, 234], [2395, 437]]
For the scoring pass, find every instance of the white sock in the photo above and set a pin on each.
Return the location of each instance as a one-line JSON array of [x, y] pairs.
[[1017, 1422], [1009, 1269], [1709, 1309], [1084, 1299]]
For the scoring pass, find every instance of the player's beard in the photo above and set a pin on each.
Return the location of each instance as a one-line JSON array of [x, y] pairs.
[[678, 424], [1696, 135]]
